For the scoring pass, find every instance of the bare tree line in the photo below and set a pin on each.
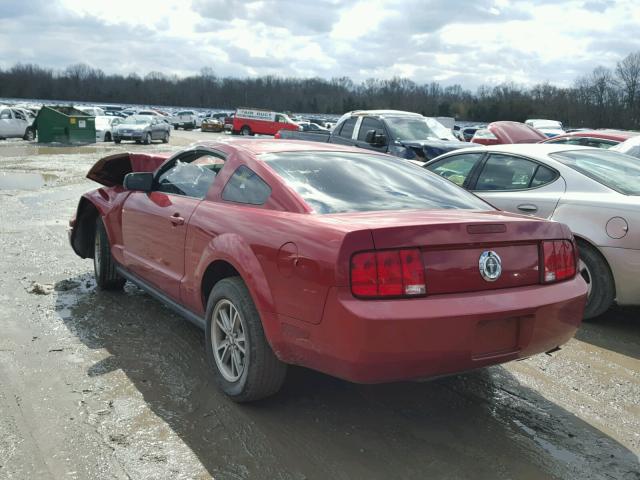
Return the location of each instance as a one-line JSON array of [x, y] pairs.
[[604, 98]]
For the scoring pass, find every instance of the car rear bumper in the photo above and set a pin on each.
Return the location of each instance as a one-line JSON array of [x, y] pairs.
[[625, 267], [392, 340], [129, 136]]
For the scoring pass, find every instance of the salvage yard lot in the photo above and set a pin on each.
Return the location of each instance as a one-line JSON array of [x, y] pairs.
[[105, 385]]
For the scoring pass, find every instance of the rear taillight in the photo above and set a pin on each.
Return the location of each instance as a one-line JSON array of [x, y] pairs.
[[388, 273], [559, 257]]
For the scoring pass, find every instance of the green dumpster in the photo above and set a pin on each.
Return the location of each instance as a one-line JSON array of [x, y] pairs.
[[65, 124]]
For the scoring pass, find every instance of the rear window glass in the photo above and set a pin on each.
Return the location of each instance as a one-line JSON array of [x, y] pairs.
[[614, 170], [337, 182], [347, 127], [245, 186]]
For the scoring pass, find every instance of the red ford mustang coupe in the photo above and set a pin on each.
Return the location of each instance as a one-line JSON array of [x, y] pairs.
[[342, 260]]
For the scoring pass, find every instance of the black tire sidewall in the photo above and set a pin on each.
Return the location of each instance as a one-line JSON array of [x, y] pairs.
[[106, 276], [602, 282], [228, 289]]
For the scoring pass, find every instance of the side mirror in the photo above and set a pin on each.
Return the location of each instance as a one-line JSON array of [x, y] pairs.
[[377, 139], [140, 181]]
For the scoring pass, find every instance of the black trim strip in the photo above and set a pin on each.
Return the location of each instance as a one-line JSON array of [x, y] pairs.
[[158, 295]]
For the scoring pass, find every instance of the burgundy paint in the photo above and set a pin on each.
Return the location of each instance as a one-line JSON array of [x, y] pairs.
[[296, 267]]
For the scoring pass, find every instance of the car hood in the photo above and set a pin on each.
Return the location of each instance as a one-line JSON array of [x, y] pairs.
[[110, 171], [429, 149]]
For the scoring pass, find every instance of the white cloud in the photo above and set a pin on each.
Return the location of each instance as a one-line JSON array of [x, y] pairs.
[[470, 41]]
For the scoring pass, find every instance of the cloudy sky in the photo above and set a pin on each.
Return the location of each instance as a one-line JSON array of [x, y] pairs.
[[470, 42]]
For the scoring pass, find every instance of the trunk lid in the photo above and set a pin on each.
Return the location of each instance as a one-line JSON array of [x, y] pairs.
[[110, 171], [452, 243]]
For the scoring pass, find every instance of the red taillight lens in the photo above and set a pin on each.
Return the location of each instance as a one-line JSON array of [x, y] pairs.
[[413, 282], [559, 260], [364, 275], [388, 273]]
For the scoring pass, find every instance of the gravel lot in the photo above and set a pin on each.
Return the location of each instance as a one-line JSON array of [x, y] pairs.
[[108, 386]]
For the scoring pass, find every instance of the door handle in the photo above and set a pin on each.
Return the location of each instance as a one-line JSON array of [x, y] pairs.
[[527, 207], [176, 219]]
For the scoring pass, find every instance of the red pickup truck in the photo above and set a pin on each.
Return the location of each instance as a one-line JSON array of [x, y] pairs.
[[248, 121]]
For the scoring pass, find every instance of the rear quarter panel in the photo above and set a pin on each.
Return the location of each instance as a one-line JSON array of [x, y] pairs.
[[286, 260]]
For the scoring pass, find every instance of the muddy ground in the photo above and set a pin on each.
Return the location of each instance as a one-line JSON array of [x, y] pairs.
[[97, 385]]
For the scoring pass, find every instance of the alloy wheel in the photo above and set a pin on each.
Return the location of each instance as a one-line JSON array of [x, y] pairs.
[[228, 340], [584, 271]]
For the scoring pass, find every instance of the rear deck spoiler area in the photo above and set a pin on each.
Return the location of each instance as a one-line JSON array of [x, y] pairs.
[[110, 171]]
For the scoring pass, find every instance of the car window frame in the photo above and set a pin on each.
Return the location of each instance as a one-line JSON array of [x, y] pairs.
[[170, 163], [355, 122], [523, 157], [473, 173], [225, 200], [372, 117]]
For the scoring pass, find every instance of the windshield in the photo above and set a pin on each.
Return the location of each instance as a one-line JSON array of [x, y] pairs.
[[337, 182], [418, 128], [137, 120], [614, 170]]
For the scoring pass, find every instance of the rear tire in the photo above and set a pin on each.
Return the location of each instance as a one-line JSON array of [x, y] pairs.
[[107, 137], [596, 272], [104, 267], [244, 365], [165, 139], [117, 140], [246, 131]]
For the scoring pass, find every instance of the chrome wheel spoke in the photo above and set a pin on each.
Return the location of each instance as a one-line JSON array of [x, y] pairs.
[[221, 325], [224, 316], [228, 340]]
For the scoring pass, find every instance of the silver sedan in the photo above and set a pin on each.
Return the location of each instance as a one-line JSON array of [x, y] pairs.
[[595, 192]]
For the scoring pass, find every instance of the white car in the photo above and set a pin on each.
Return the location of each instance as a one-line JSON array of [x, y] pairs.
[[550, 128], [105, 126], [187, 119], [629, 147], [15, 123], [596, 192], [92, 111]]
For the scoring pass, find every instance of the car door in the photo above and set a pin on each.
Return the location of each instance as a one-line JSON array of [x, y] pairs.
[[343, 133], [368, 124], [518, 184], [21, 123], [458, 168], [7, 127], [154, 224]]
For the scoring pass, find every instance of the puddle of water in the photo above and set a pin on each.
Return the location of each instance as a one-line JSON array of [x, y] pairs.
[[31, 149], [24, 181]]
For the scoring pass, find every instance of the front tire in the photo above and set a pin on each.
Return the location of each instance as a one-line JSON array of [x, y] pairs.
[[601, 286], [147, 139], [29, 134], [244, 365], [117, 140], [165, 138], [246, 131], [104, 267]]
